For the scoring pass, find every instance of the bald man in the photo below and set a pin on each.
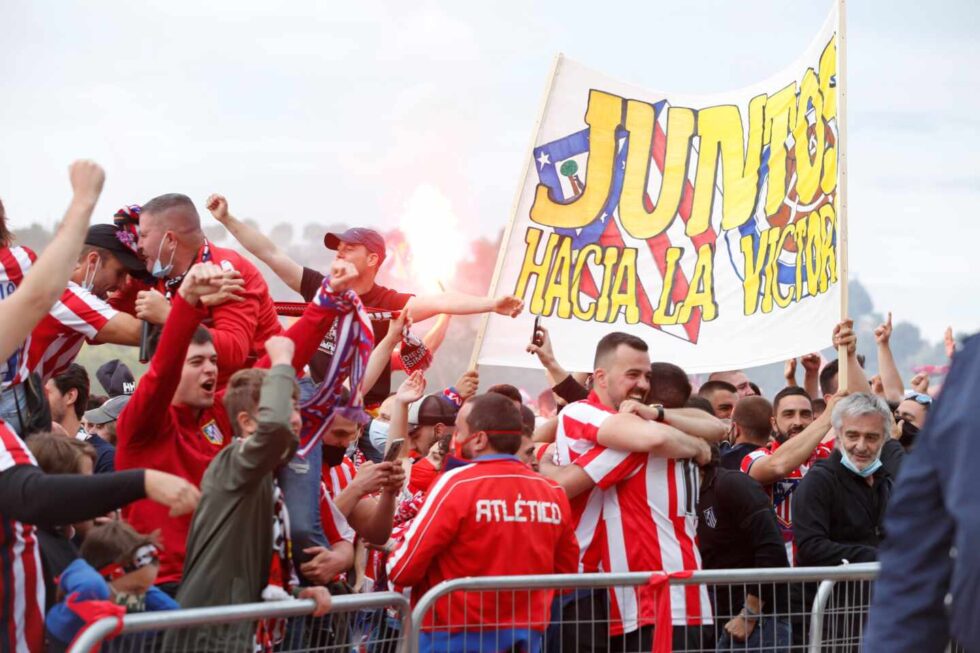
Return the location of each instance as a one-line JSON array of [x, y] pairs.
[[171, 241]]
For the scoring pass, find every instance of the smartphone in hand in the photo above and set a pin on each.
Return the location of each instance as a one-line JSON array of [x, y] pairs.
[[394, 449], [537, 337]]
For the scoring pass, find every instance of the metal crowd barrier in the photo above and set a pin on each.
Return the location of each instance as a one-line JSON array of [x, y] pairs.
[[814, 609], [377, 622], [803, 610]]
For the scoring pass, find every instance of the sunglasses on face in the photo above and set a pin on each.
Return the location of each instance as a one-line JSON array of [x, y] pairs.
[[918, 397]]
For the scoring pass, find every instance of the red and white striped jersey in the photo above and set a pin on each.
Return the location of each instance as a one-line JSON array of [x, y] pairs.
[[14, 264], [22, 596], [575, 442], [335, 525], [337, 478], [643, 513], [781, 492], [55, 342], [651, 523]]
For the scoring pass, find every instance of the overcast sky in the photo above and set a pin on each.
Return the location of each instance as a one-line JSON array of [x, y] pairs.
[[330, 111]]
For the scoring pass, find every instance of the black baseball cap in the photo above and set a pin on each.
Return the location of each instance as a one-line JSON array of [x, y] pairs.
[[370, 238], [106, 237], [431, 410], [116, 378]]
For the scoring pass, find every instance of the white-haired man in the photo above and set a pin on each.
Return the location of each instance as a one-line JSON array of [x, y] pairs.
[[840, 504]]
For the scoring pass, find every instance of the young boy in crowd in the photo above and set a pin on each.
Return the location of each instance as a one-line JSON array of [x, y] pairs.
[[239, 496], [119, 566]]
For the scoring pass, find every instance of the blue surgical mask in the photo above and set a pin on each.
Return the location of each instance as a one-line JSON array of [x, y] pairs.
[[160, 270], [88, 283], [863, 473]]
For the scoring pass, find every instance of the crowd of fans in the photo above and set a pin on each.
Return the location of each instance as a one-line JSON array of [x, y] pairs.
[[258, 462]]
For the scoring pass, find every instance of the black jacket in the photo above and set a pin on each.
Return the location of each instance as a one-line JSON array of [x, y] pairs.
[[837, 515], [737, 529]]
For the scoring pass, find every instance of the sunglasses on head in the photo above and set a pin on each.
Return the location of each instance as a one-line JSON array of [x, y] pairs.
[[918, 397]]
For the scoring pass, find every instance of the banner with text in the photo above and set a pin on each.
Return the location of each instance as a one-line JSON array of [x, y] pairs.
[[706, 225]]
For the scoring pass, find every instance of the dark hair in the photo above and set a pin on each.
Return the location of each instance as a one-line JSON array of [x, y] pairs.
[[789, 391], [5, 236], [202, 336], [828, 376], [57, 454], [101, 251], [507, 390], [669, 385], [753, 414], [755, 389], [74, 378], [611, 342], [495, 412], [711, 387], [112, 542], [94, 401], [699, 402], [527, 418]]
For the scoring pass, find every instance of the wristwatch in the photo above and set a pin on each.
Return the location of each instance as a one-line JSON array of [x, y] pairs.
[[660, 412]]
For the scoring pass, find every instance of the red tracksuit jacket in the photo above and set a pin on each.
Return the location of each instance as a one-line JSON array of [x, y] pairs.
[[239, 329], [155, 434], [495, 517]]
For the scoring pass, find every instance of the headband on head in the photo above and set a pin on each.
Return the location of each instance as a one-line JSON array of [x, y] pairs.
[[146, 555]]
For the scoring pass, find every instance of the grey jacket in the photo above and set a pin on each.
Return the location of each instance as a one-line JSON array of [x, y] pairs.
[[229, 548]]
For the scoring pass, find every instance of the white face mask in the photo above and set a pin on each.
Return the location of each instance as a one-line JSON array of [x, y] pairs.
[[159, 270], [88, 283]]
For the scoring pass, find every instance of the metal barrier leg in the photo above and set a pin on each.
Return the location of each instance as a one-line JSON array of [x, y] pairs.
[[817, 614]]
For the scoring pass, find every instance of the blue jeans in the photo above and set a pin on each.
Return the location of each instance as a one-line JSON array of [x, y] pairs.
[[8, 406], [487, 641], [770, 635], [299, 480]]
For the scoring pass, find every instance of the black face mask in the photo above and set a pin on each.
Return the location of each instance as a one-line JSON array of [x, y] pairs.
[[333, 455], [909, 433]]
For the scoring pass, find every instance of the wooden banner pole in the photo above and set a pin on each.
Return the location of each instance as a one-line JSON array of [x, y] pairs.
[[505, 241], [842, 183]]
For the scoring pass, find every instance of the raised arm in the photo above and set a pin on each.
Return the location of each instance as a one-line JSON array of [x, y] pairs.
[[381, 355], [794, 452], [48, 277], [887, 369], [456, 303], [262, 452], [257, 244], [552, 368], [844, 335], [811, 374], [146, 415]]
